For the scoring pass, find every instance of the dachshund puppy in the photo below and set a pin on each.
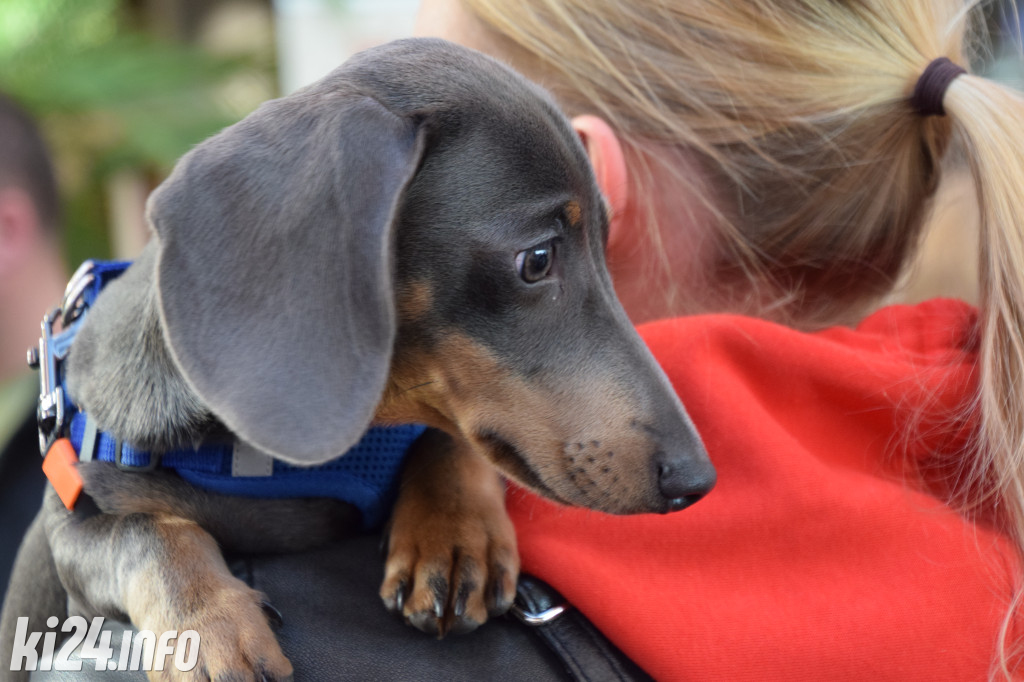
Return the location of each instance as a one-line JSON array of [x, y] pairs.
[[417, 238]]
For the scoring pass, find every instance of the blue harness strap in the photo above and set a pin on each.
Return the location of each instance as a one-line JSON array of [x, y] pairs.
[[366, 476]]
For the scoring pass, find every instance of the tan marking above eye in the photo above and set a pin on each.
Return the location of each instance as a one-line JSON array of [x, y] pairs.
[[415, 300], [573, 213]]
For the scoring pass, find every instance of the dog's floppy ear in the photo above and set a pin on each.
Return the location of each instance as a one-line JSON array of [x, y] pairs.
[[274, 277]]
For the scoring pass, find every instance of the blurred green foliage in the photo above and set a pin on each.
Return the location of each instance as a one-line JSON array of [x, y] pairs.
[[109, 97]]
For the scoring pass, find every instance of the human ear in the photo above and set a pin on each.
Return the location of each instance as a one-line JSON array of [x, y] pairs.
[[609, 164]]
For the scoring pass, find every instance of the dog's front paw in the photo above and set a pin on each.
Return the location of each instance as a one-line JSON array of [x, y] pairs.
[[450, 572], [236, 642], [241, 646], [452, 560]]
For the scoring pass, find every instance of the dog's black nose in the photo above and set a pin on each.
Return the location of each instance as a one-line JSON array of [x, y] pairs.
[[683, 482]]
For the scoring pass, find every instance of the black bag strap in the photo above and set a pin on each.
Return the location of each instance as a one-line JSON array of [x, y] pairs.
[[587, 654]]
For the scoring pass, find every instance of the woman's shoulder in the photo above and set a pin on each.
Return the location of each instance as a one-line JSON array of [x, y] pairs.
[[935, 327]]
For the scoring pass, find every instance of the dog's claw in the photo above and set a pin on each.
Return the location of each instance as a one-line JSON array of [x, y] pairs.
[[400, 596], [500, 600], [460, 601], [272, 614], [439, 587], [395, 598]]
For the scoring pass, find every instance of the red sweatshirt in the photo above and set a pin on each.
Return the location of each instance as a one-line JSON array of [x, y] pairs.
[[813, 558]]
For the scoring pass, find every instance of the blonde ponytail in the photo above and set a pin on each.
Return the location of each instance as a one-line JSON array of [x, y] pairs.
[[989, 120]]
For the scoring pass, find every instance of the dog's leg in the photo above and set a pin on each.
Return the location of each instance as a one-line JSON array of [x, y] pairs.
[[166, 573], [35, 592], [238, 524], [451, 558]]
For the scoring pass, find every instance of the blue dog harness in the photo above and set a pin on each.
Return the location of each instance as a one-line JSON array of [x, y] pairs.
[[366, 476]]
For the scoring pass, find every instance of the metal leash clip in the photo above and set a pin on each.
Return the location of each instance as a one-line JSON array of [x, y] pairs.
[[50, 409], [51, 352], [73, 304]]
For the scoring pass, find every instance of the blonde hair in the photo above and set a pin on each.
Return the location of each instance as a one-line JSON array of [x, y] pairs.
[[799, 113]]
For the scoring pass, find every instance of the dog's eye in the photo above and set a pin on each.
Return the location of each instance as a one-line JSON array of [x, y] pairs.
[[534, 263]]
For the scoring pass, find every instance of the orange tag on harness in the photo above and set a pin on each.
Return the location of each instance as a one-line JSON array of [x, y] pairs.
[[61, 466]]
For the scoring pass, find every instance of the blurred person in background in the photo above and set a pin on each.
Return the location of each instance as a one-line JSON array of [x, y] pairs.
[[32, 279]]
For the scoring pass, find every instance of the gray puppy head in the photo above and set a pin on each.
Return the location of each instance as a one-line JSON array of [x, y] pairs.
[[358, 250]]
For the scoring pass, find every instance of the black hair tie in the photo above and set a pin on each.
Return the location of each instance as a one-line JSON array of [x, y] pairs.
[[931, 87]]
